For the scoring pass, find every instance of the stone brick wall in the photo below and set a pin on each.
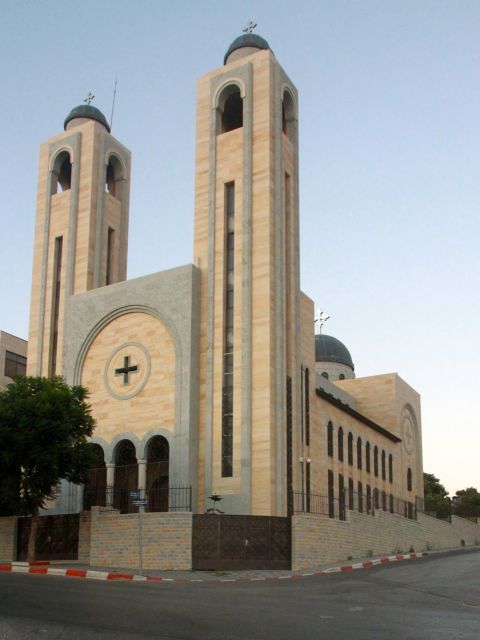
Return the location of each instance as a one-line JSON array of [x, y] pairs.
[[167, 540], [84, 537], [8, 535], [318, 539]]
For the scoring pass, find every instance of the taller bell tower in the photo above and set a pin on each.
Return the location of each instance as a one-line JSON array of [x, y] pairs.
[[81, 227], [247, 248]]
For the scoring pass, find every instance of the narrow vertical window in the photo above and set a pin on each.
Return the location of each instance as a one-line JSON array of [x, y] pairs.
[[409, 479], [384, 501], [390, 468], [360, 497], [351, 499], [331, 495], [227, 395], [391, 503], [341, 497], [350, 449], [57, 271], [359, 453], [375, 496], [288, 401], [110, 240], [340, 444], [307, 407], [375, 461], [330, 439], [369, 498], [384, 475], [367, 457]]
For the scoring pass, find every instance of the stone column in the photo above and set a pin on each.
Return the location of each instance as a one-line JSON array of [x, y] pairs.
[[142, 477], [110, 483]]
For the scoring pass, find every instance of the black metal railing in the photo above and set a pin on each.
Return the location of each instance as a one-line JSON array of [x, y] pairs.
[[157, 500], [336, 507]]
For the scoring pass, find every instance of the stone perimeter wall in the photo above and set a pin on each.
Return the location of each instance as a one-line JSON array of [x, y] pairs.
[[8, 538], [318, 540], [167, 540]]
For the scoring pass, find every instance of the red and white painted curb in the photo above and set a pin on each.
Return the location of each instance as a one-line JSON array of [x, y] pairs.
[[44, 568]]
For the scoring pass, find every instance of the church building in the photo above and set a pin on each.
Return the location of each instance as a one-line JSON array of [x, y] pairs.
[[208, 379]]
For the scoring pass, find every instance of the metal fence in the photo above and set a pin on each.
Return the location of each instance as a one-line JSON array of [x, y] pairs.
[[164, 499], [336, 507]]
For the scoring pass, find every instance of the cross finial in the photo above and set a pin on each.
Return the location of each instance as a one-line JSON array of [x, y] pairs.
[[320, 318], [89, 98], [249, 27]]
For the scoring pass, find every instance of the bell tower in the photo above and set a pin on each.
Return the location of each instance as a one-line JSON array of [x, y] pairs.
[[81, 227], [246, 244]]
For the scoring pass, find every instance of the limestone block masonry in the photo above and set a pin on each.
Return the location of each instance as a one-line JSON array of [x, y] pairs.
[[318, 540], [167, 540], [8, 536]]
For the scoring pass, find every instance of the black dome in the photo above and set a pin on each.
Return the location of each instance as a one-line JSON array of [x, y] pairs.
[[329, 349], [246, 40], [87, 111]]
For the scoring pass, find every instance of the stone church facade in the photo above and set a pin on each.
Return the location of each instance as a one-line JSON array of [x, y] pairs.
[[212, 371]]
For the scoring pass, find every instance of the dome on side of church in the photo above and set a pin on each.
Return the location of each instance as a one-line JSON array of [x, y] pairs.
[[87, 112], [332, 358], [247, 41]]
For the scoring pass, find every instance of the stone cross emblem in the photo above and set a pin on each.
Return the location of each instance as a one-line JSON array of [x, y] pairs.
[[249, 27], [126, 370], [89, 98]]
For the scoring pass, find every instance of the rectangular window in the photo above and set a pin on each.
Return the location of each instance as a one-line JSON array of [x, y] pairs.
[[56, 290], [110, 240], [384, 501], [330, 439], [375, 495], [15, 365], [341, 497], [227, 395], [331, 495], [391, 503], [369, 498], [351, 498], [360, 498], [307, 407]]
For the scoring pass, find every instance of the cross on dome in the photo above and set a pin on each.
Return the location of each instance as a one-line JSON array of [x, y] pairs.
[[249, 27], [89, 98]]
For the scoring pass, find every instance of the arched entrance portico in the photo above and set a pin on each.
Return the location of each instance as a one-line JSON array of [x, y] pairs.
[[157, 487]]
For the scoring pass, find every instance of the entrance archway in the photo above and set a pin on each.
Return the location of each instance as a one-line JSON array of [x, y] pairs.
[[126, 475], [158, 454]]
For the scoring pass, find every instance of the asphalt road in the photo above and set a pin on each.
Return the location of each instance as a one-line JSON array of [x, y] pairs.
[[434, 598]]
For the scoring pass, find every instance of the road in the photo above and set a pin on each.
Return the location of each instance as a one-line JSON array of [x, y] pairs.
[[434, 598]]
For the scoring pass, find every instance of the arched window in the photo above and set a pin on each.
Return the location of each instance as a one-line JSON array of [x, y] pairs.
[[375, 461], [325, 375], [383, 464], [341, 376], [409, 479], [94, 491], [390, 468], [158, 454], [61, 173], [330, 439], [230, 109], [367, 457], [113, 175], [126, 476], [350, 449], [288, 114], [359, 453], [340, 443]]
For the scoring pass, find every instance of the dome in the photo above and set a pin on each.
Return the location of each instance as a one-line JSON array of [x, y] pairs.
[[249, 40], [329, 349], [89, 112]]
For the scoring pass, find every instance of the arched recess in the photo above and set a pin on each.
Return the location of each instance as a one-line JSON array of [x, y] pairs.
[[229, 106], [289, 113], [158, 461], [95, 488], [126, 475], [114, 174], [61, 171]]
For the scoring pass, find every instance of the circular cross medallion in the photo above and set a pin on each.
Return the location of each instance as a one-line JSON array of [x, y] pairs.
[[408, 434], [127, 370]]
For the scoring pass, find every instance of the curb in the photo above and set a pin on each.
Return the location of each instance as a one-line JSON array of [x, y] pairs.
[[42, 568]]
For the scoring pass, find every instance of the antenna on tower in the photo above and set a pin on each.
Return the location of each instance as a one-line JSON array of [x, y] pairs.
[[113, 101]]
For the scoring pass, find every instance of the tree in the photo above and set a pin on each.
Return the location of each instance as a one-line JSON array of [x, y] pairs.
[[436, 496], [44, 426], [466, 503]]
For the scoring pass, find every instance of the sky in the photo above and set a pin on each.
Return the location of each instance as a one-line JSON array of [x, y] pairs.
[[389, 166]]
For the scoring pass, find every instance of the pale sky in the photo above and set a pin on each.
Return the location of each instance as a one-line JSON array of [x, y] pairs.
[[389, 166]]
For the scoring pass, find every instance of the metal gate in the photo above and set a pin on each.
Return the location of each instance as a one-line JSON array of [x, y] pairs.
[[241, 542], [57, 537]]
